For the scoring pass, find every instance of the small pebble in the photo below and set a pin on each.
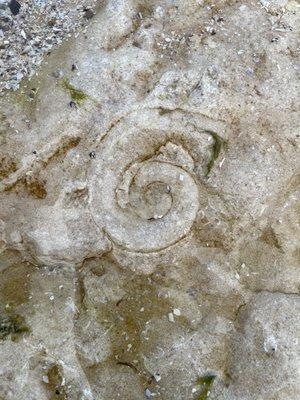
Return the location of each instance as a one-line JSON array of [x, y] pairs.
[[270, 345], [129, 346], [88, 14], [14, 7], [72, 104], [157, 377], [171, 317]]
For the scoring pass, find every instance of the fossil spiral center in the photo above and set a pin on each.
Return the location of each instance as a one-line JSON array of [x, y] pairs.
[[152, 201]]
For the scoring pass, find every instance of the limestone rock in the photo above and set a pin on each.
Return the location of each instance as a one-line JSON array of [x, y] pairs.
[[149, 202]]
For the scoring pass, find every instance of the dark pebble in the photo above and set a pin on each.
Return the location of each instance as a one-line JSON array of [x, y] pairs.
[[14, 7], [88, 14], [72, 104]]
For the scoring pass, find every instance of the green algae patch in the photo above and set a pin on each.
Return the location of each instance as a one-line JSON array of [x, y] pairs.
[[78, 96], [205, 383], [13, 326], [216, 150]]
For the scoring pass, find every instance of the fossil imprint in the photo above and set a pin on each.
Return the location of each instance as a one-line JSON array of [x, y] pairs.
[[145, 180]]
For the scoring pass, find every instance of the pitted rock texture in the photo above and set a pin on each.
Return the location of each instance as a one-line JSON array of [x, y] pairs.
[[149, 208]]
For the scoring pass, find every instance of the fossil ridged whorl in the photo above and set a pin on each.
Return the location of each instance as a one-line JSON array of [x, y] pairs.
[[144, 181]]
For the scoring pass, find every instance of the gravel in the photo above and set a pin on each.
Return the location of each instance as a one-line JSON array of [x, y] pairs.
[[29, 29]]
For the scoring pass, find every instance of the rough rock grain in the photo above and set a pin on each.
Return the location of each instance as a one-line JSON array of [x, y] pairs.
[[149, 207]]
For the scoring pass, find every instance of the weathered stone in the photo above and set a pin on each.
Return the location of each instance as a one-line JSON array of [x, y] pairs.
[[149, 204]]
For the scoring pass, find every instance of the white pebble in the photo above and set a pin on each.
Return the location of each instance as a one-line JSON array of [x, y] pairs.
[[171, 317], [129, 346], [157, 377], [270, 345]]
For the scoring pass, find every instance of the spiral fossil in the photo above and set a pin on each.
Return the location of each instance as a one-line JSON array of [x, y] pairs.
[[144, 181]]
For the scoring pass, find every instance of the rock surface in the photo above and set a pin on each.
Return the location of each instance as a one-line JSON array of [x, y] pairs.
[[149, 207]]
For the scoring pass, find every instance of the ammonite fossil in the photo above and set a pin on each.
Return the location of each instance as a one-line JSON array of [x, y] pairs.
[[145, 180]]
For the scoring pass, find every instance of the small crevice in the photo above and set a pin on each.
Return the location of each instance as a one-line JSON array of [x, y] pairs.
[[237, 312], [258, 291]]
